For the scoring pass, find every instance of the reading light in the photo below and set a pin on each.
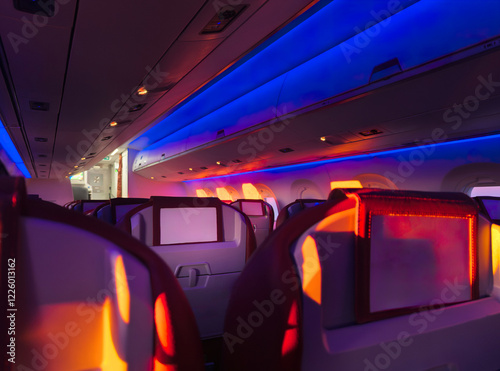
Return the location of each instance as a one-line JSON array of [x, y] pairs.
[[152, 177], [323, 139], [113, 124], [190, 169], [76, 166], [83, 158], [142, 91], [218, 162]]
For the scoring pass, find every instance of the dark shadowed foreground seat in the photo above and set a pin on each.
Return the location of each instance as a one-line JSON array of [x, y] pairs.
[[86, 296], [86, 206], [371, 280], [115, 209], [296, 207]]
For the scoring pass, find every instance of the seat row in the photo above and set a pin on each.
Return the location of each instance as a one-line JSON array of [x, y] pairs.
[[367, 280]]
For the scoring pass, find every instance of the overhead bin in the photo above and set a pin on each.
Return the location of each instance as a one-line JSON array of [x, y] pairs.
[[385, 45], [331, 26]]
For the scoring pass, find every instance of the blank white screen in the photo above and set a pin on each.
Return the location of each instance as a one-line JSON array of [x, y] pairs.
[[414, 259], [188, 225], [252, 208]]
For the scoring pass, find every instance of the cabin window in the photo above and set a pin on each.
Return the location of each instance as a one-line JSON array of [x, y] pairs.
[[201, 193], [250, 192], [485, 191], [345, 184], [224, 195], [375, 181], [204, 192], [235, 195], [274, 204], [227, 194]]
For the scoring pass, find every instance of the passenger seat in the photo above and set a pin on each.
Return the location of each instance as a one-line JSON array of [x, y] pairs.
[[204, 241], [369, 280], [261, 216], [86, 296]]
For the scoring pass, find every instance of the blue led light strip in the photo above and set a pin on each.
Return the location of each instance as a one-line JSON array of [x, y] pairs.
[[11, 150], [348, 158]]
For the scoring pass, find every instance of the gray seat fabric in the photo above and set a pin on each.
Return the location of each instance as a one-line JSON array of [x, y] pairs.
[[206, 270]]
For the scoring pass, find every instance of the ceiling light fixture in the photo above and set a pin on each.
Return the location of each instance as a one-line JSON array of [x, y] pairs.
[[142, 91], [113, 124]]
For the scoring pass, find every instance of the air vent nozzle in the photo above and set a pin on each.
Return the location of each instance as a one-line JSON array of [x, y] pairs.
[[39, 106], [137, 107]]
